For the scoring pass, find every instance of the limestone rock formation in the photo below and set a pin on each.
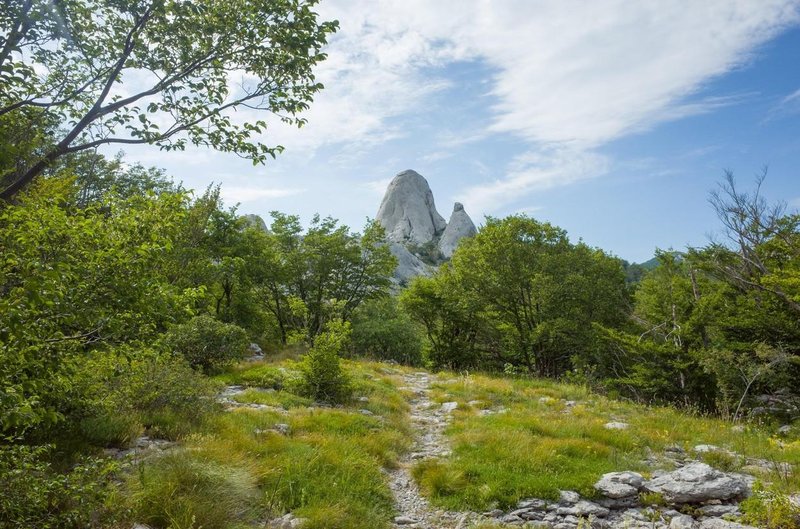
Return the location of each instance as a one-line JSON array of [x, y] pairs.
[[696, 483], [408, 264], [460, 226], [408, 212], [255, 221], [419, 237]]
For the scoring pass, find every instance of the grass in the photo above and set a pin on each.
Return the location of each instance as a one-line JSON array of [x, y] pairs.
[[512, 438], [538, 445], [240, 472]]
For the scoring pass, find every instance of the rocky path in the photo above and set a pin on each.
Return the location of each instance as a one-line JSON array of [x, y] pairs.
[[429, 422]]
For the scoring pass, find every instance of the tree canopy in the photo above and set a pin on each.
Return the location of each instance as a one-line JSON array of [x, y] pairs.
[[87, 73]]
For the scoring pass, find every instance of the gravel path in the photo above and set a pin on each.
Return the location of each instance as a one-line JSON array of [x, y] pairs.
[[429, 422]]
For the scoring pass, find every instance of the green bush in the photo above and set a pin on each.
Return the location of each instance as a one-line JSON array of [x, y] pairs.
[[36, 495], [770, 509], [383, 331], [207, 343], [322, 375], [116, 395]]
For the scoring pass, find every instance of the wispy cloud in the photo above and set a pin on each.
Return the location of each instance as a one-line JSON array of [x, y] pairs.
[[564, 84], [535, 171], [237, 194], [377, 186], [789, 105]]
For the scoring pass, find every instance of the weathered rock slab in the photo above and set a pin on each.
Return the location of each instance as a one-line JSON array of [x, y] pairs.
[[697, 483]]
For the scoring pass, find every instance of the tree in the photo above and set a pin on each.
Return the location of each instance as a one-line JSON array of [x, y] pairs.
[[162, 72], [764, 254], [540, 292], [308, 279], [383, 331]]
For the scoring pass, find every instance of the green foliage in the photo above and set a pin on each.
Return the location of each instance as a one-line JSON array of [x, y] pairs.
[[428, 252], [308, 279], [519, 293], [382, 330], [207, 343], [116, 396], [76, 279], [37, 495], [770, 509], [61, 59], [323, 376]]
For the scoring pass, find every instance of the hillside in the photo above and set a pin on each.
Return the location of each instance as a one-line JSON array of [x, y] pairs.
[[446, 450]]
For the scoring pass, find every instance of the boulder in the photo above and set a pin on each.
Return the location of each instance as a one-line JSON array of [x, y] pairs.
[[408, 212], [568, 497], [697, 483], [459, 227], [616, 426], [448, 407], [682, 521], [618, 485]]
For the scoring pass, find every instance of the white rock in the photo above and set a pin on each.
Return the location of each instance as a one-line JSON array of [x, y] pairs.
[[409, 265], [568, 497], [408, 212], [704, 449], [718, 523], [719, 511], [682, 522], [459, 227], [698, 482], [405, 520], [448, 407], [619, 484], [616, 426], [584, 508]]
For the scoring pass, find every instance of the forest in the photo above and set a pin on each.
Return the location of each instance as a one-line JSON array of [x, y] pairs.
[[127, 301]]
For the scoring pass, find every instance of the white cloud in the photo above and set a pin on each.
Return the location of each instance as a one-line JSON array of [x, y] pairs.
[[568, 76], [378, 186], [564, 76], [535, 171], [237, 194], [794, 96]]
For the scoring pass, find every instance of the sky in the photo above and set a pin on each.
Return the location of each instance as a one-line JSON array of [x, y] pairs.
[[611, 119]]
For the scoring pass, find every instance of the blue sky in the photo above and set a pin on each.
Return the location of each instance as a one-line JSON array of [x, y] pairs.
[[610, 119]]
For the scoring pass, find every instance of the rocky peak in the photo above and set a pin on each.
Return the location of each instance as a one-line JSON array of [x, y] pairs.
[[460, 226], [408, 212]]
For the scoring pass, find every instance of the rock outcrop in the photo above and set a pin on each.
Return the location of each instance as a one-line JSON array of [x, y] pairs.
[[255, 221], [460, 226], [409, 265], [418, 235], [696, 483], [408, 212]]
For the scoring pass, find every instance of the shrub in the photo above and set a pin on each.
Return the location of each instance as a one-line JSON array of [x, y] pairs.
[[116, 395], [322, 374], [382, 330], [770, 509], [36, 495], [207, 343]]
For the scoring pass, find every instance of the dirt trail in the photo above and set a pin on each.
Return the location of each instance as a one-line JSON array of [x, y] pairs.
[[429, 422]]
